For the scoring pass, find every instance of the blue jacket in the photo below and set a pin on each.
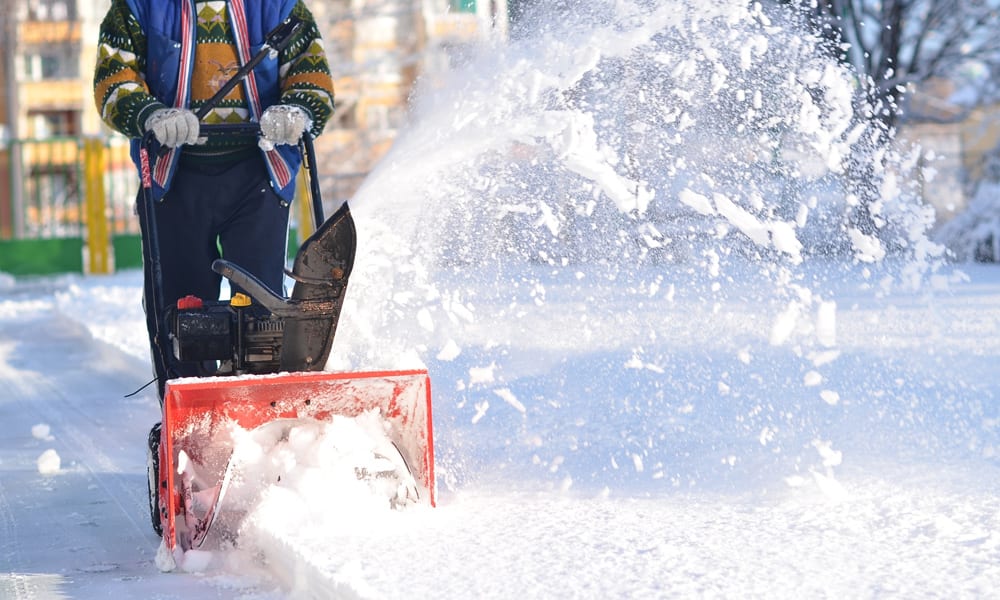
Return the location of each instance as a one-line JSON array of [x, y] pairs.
[[162, 21]]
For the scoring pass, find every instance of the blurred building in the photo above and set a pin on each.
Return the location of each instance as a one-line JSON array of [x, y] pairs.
[[48, 52], [377, 51], [956, 140]]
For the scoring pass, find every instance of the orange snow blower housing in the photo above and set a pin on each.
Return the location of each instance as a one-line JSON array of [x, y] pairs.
[[197, 413], [267, 354]]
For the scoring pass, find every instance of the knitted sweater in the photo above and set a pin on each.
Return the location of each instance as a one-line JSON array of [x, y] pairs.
[[125, 102]]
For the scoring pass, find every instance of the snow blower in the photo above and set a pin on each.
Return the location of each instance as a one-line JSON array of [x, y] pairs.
[[267, 353]]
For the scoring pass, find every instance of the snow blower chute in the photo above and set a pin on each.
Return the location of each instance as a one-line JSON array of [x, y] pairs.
[[267, 354]]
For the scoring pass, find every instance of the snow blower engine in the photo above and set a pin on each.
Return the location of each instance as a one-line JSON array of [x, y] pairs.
[[274, 334], [240, 337]]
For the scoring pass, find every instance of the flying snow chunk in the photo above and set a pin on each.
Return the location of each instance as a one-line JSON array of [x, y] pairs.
[[49, 462], [481, 374], [866, 248], [830, 397], [699, 203], [425, 320], [183, 462], [637, 463], [784, 325], [744, 356], [812, 378], [481, 408], [826, 324], [823, 358], [766, 436], [743, 220], [831, 457], [449, 352], [42, 432], [633, 363], [746, 57], [507, 396], [784, 239]]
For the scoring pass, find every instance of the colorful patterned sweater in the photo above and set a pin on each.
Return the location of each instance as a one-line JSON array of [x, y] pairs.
[[125, 102]]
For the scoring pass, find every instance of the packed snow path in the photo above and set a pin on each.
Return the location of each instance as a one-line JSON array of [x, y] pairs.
[[910, 510], [72, 490]]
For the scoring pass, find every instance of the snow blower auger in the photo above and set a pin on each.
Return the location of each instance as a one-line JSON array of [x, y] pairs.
[[269, 352]]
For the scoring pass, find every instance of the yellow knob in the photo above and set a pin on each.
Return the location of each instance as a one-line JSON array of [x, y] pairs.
[[239, 300]]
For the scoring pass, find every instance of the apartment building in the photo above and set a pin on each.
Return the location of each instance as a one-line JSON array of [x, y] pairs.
[[47, 60]]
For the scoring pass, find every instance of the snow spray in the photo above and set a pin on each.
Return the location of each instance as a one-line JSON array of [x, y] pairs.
[[555, 199]]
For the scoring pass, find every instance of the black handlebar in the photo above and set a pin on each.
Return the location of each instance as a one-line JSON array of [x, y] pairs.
[[253, 129], [220, 129]]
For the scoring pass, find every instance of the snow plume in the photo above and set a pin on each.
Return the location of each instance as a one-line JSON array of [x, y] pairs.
[[675, 147]]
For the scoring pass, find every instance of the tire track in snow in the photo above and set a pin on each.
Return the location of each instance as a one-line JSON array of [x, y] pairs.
[[11, 584], [58, 374]]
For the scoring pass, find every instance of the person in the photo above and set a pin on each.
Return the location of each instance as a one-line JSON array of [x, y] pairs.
[[159, 63]]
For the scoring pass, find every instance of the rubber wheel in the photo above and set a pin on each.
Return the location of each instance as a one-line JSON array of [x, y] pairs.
[[153, 477]]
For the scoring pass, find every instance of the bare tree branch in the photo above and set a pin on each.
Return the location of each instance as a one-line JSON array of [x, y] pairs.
[[895, 43]]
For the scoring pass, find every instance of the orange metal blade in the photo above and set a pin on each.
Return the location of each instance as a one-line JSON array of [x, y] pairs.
[[196, 409]]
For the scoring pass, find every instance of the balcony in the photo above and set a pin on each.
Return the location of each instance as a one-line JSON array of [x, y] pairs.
[[453, 27], [49, 32], [55, 94]]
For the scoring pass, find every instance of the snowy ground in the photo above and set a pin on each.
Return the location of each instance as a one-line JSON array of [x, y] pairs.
[[664, 360], [604, 478]]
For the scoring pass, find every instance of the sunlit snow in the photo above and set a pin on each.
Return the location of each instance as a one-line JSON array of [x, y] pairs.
[[665, 361]]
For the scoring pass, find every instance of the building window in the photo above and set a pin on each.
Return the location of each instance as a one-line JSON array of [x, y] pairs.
[[347, 118], [50, 66], [49, 123], [468, 6], [51, 10]]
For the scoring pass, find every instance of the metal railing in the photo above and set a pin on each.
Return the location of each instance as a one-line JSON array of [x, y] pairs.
[[48, 200], [67, 204]]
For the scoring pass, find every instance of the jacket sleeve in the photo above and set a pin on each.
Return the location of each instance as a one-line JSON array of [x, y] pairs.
[[305, 73], [123, 99]]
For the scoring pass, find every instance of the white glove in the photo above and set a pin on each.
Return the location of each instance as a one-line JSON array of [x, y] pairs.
[[282, 124], [173, 127]]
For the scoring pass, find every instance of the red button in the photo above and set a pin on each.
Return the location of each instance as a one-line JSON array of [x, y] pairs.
[[188, 302]]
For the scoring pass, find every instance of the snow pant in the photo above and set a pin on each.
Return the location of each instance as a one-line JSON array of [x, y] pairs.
[[210, 207]]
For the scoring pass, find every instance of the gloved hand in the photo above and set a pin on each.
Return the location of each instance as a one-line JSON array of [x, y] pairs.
[[282, 124], [173, 127]]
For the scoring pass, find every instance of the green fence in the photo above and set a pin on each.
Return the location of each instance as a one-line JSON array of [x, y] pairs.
[[67, 205], [45, 210]]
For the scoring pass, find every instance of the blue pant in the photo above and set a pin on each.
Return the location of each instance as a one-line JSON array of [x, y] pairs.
[[209, 208]]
